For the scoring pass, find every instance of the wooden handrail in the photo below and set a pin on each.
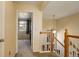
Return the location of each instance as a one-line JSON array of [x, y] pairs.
[[59, 41], [73, 36]]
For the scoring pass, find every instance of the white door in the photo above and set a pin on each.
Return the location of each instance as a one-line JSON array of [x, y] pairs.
[[1, 29]]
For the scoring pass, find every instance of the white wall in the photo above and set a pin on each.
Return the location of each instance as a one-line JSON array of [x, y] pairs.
[[37, 27], [71, 23]]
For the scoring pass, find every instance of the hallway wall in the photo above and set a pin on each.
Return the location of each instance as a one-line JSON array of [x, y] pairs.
[[10, 29], [36, 23], [1, 19], [1, 28], [48, 24]]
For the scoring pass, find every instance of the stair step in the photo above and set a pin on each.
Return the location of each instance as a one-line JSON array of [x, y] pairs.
[[52, 54]]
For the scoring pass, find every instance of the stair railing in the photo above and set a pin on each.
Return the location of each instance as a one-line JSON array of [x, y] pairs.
[[57, 50], [59, 42], [51, 40], [66, 42]]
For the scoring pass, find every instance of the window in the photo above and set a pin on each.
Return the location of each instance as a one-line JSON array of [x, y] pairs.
[[22, 25]]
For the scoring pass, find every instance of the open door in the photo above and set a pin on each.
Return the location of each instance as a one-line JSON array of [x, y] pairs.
[[24, 31]]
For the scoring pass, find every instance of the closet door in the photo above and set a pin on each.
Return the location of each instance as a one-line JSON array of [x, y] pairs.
[[1, 29]]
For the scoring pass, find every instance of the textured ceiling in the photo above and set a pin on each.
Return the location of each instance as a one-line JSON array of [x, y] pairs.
[[60, 9]]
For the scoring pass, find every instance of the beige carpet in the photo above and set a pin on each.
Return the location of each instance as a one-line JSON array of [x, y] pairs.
[[25, 50]]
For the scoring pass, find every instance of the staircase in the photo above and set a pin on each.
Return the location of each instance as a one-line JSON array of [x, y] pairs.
[[49, 45]]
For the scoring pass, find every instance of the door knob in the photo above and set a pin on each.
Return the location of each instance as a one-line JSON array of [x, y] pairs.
[[1, 40]]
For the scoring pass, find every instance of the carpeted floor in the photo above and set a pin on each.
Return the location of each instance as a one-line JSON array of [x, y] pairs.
[[25, 50]]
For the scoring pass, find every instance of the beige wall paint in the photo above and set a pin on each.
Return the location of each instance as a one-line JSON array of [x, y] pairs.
[[21, 6], [1, 12], [1, 20], [36, 23], [1, 28], [10, 29], [48, 24], [72, 24]]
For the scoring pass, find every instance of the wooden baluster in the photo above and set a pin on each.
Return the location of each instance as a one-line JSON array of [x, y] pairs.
[[52, 41], [66, 44]]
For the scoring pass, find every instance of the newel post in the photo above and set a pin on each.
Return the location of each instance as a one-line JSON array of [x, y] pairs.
[[52, 41], [66, 44]]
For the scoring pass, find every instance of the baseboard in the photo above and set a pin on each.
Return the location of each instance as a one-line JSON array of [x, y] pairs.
[[44, 51], [15, 54]]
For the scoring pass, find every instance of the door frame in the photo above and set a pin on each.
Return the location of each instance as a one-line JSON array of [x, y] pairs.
[[17, 31], [17, 11]]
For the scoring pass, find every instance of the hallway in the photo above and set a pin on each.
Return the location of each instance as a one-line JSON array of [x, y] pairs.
[[24, 49]]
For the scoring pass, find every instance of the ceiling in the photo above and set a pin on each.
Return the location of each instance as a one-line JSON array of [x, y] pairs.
[[60, 9]]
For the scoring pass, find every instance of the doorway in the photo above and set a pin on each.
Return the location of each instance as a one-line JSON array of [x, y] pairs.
[[24, 32]]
